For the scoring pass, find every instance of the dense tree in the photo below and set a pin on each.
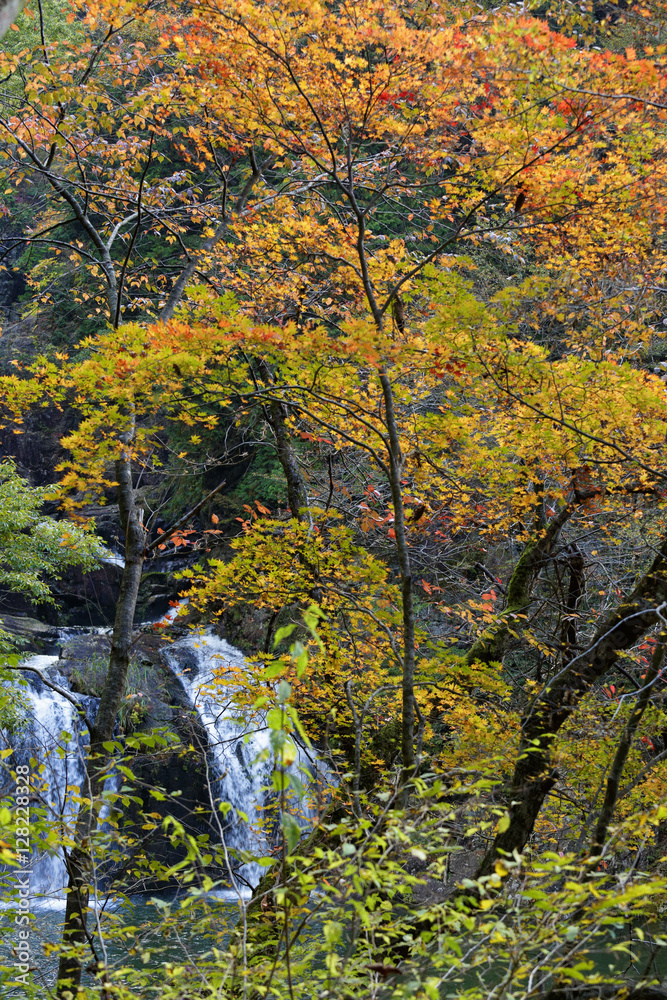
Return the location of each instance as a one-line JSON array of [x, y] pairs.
[[420, 252]]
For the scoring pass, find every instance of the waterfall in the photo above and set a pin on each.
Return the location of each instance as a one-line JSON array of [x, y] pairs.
[[239, 755], [54, 736], [241, 751]]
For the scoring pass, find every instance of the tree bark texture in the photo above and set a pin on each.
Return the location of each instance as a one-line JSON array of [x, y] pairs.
[[297, 497], [276, 413], [80, 860], [533, 775], [620, 757], [491, 646], [9, 11], [575, 562]]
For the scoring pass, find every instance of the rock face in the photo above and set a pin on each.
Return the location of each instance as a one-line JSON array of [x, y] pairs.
[[150, 686], [89, 599], [30, 634]]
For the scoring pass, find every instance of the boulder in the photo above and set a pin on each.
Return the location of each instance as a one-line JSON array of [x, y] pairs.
[[31, 635]]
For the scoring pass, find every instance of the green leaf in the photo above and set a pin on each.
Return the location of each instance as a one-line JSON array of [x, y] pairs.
[[333, 932], [277, 740], [280, 780], [291, 830], [300, 657], [301, 665], [283, 633], [284, 692], [275, 719]]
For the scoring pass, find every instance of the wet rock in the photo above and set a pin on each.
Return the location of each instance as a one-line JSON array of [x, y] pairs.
[[158, 588], [88, 598], [32, 635], [152, 692]]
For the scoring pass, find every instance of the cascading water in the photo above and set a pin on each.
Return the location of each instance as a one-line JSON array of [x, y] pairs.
[[54, 736], [240, 754]]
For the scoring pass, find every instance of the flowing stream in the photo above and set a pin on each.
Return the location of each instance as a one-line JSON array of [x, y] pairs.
[[54, 738], [241, 752], [239, 756]]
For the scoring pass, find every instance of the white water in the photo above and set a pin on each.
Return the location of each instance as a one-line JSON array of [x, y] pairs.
[[53, 738], [241, 759], [241, 752], [113, 559]]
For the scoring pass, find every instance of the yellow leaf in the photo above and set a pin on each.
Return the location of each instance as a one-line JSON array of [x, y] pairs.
[[503, 823]]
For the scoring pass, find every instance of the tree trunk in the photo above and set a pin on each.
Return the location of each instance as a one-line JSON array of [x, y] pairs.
[[80, 860], [620, 757], [568, 635], [408, 679], [490, 647], [9, 11], [297, 497], [276, 414], [533, 776]]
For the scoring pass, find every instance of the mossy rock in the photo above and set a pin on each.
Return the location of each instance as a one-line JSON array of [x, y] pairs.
[[29, 634], [150, 684]]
